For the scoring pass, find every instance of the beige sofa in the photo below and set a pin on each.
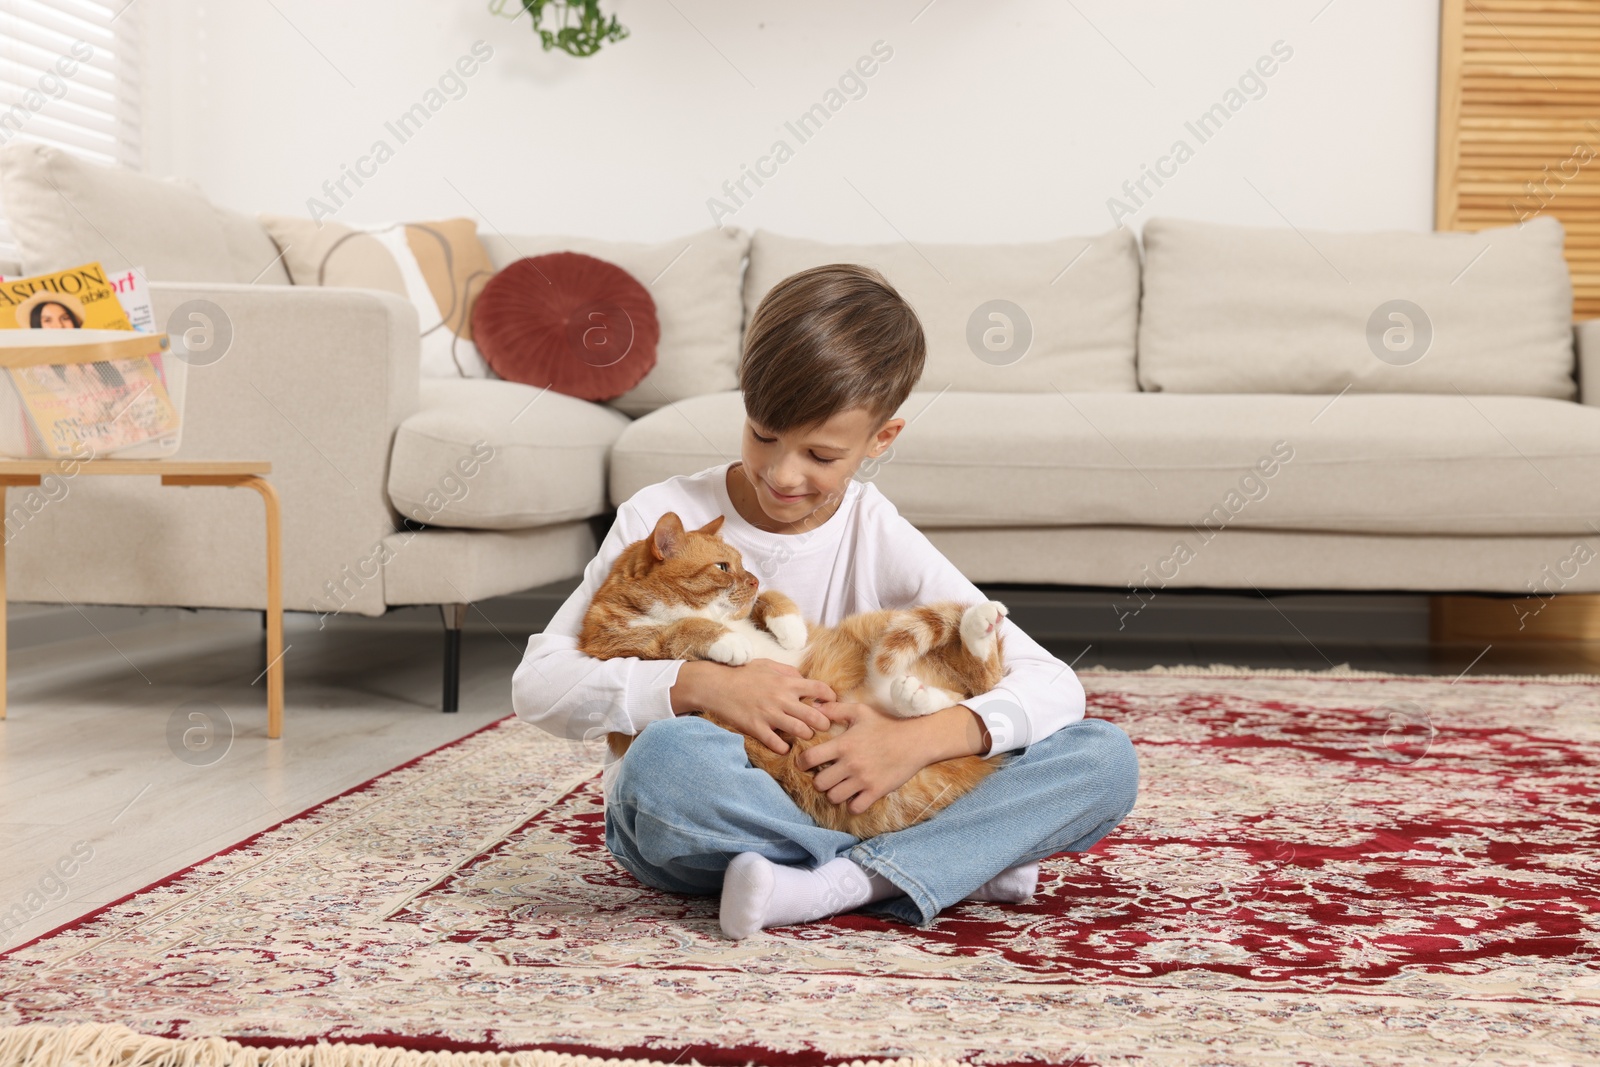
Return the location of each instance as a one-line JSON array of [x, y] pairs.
[[1125, 456], [1223, 412]]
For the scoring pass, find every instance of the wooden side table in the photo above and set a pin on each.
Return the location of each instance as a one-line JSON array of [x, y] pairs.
[[173, 472]]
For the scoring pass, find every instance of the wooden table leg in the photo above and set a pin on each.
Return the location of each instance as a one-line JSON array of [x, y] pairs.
[[269, 497], [5, 607]]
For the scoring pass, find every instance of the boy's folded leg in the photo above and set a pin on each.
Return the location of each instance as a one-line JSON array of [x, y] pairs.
[[758, 894], [1061, 794], [1014, 885], [686, 801]]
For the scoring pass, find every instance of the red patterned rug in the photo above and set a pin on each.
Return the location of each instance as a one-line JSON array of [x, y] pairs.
[[1322, 868]]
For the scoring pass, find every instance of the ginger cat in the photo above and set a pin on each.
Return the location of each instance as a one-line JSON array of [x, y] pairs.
[[684, 594]]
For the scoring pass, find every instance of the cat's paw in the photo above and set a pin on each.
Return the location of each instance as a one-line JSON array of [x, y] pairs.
[[731, 648], [912, 699], [789, 630], [978, 626]]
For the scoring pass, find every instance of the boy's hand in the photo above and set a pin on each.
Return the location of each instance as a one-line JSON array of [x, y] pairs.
[[879, 753], [764, 696]]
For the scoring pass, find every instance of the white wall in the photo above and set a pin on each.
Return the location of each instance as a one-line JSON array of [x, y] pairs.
[[1011, 121]]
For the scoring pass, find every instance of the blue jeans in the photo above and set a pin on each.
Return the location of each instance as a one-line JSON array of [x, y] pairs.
[[686, 801]]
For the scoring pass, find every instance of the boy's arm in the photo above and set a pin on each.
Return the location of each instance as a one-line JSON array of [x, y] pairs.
[[877, 754], [1039, 694], [569, 693]]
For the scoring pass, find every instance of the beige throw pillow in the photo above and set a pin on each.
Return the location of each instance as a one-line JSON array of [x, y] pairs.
[[439, 266]]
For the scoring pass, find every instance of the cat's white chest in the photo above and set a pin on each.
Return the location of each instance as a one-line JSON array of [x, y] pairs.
[[746, 641], [763, 645]]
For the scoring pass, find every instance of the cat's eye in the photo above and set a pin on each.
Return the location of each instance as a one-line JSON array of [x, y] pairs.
[[724, 566]]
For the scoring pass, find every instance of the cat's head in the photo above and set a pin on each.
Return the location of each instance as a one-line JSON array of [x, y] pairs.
[[700, 568]]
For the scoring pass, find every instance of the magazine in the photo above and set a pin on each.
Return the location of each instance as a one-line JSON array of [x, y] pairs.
[[107, 405], [100, 407], [77, 298], [133, 293]]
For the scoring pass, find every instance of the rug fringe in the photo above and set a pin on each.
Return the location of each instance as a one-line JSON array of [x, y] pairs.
[[1343, 670], [114, 1045]]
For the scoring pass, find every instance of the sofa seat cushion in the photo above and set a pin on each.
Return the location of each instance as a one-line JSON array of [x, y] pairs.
[[1001, 318], [468, 566], [1414, 464], [486, 454], [1240, 309]]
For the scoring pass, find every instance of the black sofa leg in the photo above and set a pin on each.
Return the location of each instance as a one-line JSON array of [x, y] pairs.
[[455, 616]]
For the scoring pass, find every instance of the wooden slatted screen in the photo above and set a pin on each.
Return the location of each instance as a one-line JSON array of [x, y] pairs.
[[1519, 136], [1519, 123]]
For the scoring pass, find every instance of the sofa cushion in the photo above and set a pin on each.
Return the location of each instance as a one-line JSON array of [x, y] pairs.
[[582, 326], [65, 211], [1368, 463], [694, 281], [493, 455], [1080, 297], [256, 259], [1235, 309], [440, 266], [465, 566]]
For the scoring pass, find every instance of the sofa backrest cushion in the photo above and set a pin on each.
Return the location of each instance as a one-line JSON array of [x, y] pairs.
[[999, 318], [65, 210], [694, 281], [256, 258], [1235, 309]]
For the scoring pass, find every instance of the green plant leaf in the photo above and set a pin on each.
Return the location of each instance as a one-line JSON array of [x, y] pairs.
[[583, 39]]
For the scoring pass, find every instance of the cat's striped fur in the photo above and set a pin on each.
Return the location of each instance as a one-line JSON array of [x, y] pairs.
[[685, 594]]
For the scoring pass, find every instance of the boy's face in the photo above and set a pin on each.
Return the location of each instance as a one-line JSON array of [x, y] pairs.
[[796, 473]]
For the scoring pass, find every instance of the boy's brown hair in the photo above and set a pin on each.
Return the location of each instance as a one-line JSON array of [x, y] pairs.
[[826, 340]]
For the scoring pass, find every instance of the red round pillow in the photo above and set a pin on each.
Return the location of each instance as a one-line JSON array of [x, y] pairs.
[[580, 325]]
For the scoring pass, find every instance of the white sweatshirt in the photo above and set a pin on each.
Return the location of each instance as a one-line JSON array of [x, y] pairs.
[[863, 558]]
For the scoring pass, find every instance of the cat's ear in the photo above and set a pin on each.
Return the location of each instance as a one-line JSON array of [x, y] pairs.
[[667, 538], [714, 525]]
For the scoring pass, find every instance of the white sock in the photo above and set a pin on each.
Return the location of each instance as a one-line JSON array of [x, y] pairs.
[[757, 893], [1014, 885]]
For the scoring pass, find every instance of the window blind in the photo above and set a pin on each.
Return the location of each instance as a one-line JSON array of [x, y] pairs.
[[69, 77]]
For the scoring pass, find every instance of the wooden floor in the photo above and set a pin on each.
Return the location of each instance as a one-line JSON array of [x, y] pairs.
[[85, 753], [88, 753]]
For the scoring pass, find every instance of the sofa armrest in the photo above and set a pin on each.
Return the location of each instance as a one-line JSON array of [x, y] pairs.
[[315, 380], [1586, 340]]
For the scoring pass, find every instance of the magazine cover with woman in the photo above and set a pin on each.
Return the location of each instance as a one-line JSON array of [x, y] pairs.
[[105, 405]]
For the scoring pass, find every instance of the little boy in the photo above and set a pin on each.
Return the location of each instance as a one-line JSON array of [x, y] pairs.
[[829, 357]]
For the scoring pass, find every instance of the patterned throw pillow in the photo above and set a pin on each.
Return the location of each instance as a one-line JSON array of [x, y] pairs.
[[439, 266], [577, 324]]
